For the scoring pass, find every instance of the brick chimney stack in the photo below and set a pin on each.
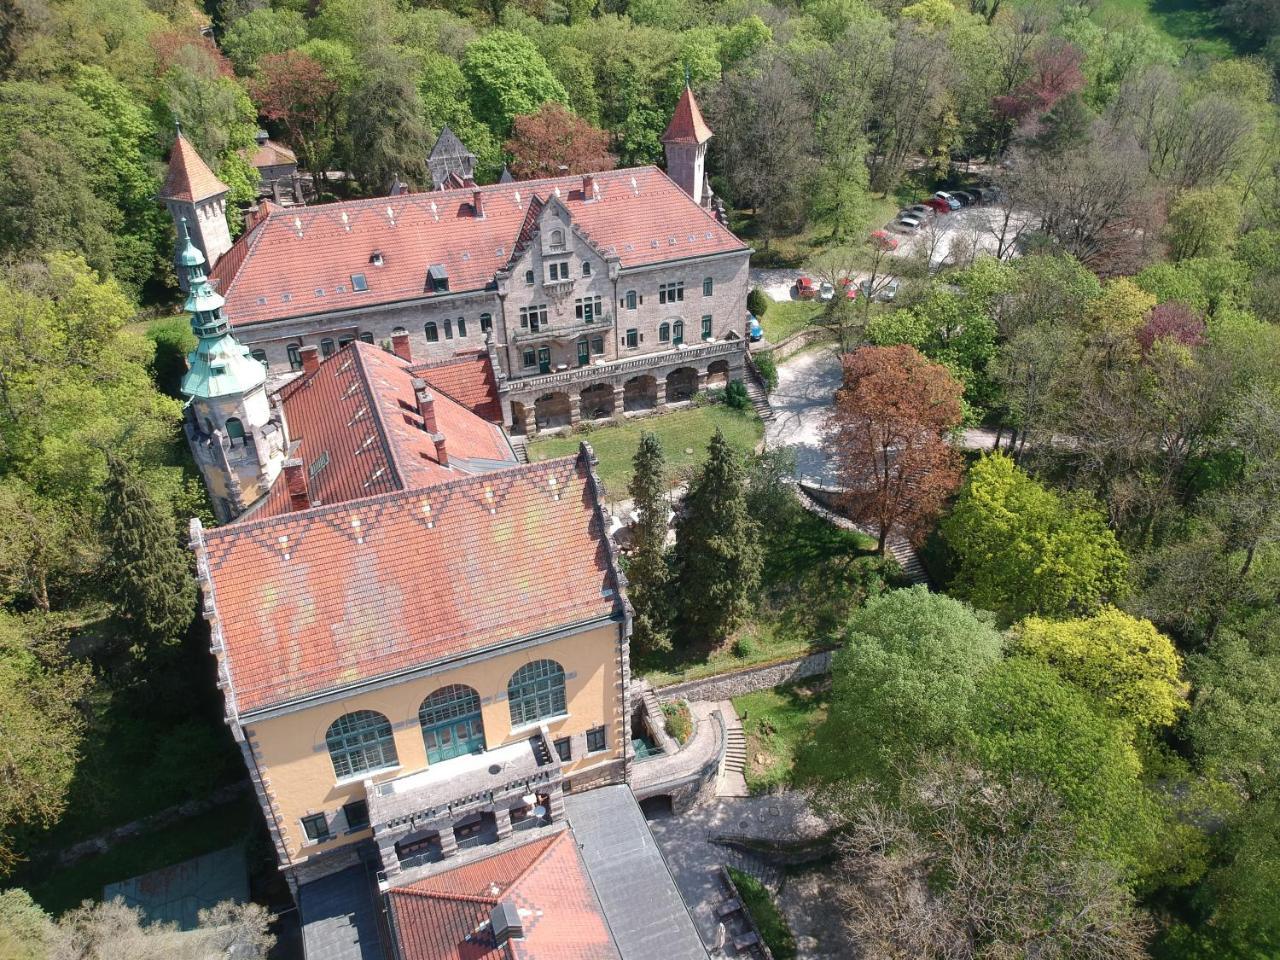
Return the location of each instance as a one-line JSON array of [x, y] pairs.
[[295, 479], [477, 204], [310, 359], [588, 186], [400, 347], [426, 405], [442, 454]]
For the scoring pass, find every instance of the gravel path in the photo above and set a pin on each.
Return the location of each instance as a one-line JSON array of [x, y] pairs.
[[806, 384]]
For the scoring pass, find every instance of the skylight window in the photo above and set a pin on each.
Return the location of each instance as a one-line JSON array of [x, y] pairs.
[[286, 297], [318, 464], [359, 283]]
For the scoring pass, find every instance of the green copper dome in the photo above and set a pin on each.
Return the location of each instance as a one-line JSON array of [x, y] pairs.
[[220, 365]]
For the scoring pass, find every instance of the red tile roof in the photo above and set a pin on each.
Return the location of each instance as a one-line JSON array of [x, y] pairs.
[[189, 177], [357, 429], [322, 599], [268, 153], [296, 252], [446, 917], [687, 125], [467, 378]]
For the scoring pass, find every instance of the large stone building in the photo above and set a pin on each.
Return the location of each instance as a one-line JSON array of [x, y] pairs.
[[592, 296]]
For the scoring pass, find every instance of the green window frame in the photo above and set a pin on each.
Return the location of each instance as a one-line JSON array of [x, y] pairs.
[[664, 332], [357, 814], [633, 338], [596, 740], [359, 742], [326, 347], [295, 356], [451, 722], [316, 827], [708, 286], [535, 692], [486, 322], [564, 749], [631, 299], [706, 327], [235, 429], [432, 331], [366, 337], [462, 326]]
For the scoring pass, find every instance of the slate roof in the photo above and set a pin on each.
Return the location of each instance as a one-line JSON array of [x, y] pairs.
[[467, 378], [446, 916], [338, 916], [310, 254], [328, 598], [189, 177], [448, 145], [359, 433], [646, 914], [687, 125]]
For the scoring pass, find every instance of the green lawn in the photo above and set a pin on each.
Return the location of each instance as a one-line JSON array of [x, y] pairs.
[[769, 919], [684, 435], [228, 824], [783, 319], [1191, 26], [779, 725]]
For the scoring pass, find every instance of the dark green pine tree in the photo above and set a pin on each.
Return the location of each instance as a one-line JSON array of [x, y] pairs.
[[647, 572], [148, 574], [718, 555]]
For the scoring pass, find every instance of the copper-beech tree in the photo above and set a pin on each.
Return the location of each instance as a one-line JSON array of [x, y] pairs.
[[887, 437], [555, 141]]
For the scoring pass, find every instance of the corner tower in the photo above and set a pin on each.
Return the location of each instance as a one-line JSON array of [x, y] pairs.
[[685, 144], [237, 440], [193, 193]]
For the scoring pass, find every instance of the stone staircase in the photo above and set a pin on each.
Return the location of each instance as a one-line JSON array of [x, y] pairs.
[[900, 549], [770, 875], [757, 395], [732, 782], [520, 444]]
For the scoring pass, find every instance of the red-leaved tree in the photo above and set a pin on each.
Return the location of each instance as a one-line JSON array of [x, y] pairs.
[[555, 141], [1171, 321], [293, 90], [887, 437], [1054, 73]]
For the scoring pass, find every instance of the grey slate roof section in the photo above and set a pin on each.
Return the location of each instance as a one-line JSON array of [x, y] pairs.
[[646, 915], [339, 919], [449, 146]]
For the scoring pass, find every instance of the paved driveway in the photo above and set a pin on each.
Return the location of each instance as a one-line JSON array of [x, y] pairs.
[[806, 385]]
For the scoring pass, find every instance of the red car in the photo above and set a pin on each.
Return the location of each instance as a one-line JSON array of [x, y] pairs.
[[938, 204], [884, 240], [806, 289], [850, 289]]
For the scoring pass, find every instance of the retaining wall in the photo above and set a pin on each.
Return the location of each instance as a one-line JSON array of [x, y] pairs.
[[726, 686]]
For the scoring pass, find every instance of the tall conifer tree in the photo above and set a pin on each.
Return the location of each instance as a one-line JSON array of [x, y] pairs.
[[148, 577], [718, 556], [647, 573]]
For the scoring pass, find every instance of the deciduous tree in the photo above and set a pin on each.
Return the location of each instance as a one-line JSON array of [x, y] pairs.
[[294, 90], [508, 78], [887, 436], [717, 554], [553, 141]]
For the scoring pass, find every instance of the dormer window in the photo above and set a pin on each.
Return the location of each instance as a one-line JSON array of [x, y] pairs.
[[557, 239], [359, 283], [437, 279], [376, 258]]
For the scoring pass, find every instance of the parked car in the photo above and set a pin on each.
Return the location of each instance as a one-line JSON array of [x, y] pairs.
[[951, 202], [888, 292], [910, 222], [806, 289], [755, 332], [938, 205], [884, 240], [920, 210], [966, 198], [851, 290], [826, 291]]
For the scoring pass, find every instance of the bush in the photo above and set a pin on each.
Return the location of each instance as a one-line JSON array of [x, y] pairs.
[[678, 721], [773, 926], [745, 647], [758, 302], [735, 395], [768, 370], [174, 340]]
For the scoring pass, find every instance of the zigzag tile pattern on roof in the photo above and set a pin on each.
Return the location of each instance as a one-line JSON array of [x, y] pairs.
[[468, 378], [330, 597], [445, 917], [299, 251]]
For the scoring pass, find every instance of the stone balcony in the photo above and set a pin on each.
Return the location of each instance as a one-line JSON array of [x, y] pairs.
[[689, 353], [566, 331]]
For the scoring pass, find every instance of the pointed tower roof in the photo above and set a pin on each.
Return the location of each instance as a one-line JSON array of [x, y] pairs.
[[220, 365], [687, 125], [448, 146], [189, 178], [506, 176]]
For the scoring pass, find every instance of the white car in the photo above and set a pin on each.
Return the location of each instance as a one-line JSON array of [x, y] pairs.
[[948, 199], [826, 291], [908, 223]]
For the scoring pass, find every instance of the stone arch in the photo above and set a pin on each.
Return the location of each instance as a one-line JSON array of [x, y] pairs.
[[552, 410], [718, 373], [519, 416], [682, 384], [596, 401], [640, 393]]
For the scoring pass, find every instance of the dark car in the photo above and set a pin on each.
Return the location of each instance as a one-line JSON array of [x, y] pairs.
[[966, 198]]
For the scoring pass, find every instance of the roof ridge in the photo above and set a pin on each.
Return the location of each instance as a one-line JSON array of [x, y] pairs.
[[393, 455], [445, 895], [325, 509], [537, 858]]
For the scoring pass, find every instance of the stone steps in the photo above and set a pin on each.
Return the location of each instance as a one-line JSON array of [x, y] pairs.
[[520, 444], [757, 395], [901, 550]]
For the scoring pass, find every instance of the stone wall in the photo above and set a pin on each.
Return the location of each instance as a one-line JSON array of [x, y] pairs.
[[790, 346], [725, 686]]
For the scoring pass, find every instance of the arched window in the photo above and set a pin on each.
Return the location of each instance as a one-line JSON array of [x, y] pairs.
[[631, 299], [677, 332], [486, 322], [664, 332], [451, 723], [433, 333], [398, 330], [708, 287], [326, 347], [259, 355], [343, 341], [359, 742], [557, 239], [295, 356], [235, 429], [366, 337], [462, 326], [535, 692]]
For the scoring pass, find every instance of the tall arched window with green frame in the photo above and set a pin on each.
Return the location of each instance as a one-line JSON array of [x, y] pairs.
[[535, 692], [359, 742]]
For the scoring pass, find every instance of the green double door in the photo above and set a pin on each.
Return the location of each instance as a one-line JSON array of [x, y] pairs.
[[453, 739]]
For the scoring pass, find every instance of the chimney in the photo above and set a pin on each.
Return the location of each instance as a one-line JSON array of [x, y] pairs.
[[505, 920], [442, 454], [477, 204], [588, 186], [310, 359], [400, 346], [426, 404], [295, 479]]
